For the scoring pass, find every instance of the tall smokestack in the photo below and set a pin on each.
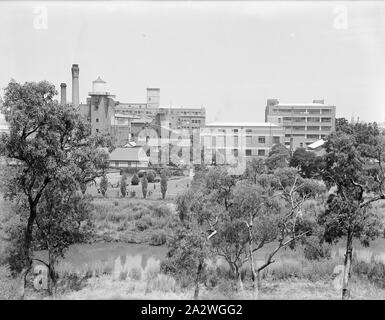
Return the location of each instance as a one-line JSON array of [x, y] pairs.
[[75, 85], [63, 94]]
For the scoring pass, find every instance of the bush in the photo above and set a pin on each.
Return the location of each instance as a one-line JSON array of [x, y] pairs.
[[144, 186], [161, 212], [158, 238], [374, 271], [163, 184], [314, 250], [151, 176], [123, 186], [135, 180], [103, 185], [141, 225], [8, 285]]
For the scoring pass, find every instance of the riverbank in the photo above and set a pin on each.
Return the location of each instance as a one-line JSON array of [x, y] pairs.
[[163, 287]]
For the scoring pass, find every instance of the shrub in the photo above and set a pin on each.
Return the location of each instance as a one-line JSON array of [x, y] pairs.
[[161, 211], [123, 186], [151, 176], [163, 184], [8, 285], [141, 225], [135, 180], [144, 186], [314, 250], [374, 271], [103, 185], [158, 238]]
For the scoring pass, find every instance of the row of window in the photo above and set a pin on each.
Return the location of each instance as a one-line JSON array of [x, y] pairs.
[[303, 111], [309, 128], [307, 136], [306, 119], [248, 152]]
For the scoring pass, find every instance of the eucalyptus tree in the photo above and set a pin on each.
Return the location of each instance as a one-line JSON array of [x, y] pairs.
[[47, 144], [354, 166]]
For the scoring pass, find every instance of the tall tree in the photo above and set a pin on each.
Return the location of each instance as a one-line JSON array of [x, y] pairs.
[[354, 166], [278, 157], [47, 141], [308, 164], [163, 183]]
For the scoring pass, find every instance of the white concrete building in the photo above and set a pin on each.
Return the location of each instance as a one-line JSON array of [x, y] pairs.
[[231, 142]]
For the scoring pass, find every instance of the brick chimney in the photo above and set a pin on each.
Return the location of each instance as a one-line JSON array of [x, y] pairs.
[[75, 85], [63, 94]]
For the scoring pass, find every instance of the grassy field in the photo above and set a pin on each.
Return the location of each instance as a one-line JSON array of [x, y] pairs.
[[175, 185], [134, 220]]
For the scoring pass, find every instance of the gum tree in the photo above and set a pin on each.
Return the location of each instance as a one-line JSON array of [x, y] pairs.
[[45, 145], [354, 168]]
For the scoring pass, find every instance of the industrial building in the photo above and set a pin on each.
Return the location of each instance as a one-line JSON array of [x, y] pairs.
[[304, 123], [125, 121]]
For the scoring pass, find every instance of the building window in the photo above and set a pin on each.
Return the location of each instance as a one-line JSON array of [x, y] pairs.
[[235, 152], [235, 141], [249, 131], [326, 128], [276, 140], [249, 141], [261, 140], [235, 130], [301, 144], [248, 152], [326, 119], [261, 152]]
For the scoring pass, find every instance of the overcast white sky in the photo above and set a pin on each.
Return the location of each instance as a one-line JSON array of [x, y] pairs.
[[227, 56]]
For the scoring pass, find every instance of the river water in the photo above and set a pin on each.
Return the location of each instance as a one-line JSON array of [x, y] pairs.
[[106, 256]]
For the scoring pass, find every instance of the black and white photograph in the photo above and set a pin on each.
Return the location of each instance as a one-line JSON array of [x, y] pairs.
[[192, 150]]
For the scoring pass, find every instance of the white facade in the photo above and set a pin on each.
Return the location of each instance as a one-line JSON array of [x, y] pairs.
[[227, 143]]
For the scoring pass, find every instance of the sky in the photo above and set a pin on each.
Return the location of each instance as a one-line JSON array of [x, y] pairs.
[[228, 57]]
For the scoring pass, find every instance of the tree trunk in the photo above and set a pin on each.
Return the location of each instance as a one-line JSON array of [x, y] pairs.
[[197, 280], [253, 274], [239, 278], [26, 248], [347, 267], [51, 274]]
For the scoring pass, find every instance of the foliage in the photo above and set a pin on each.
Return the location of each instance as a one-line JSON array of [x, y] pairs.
[[103, 185], [354, 166], [186, 251], [163, 184], [50, 144], [254, 168], [307, 162], [64, 219], [144, 186], [135, 180], [278, 157], [158, 238], [8, 284], [123, 185], [151, 176]]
